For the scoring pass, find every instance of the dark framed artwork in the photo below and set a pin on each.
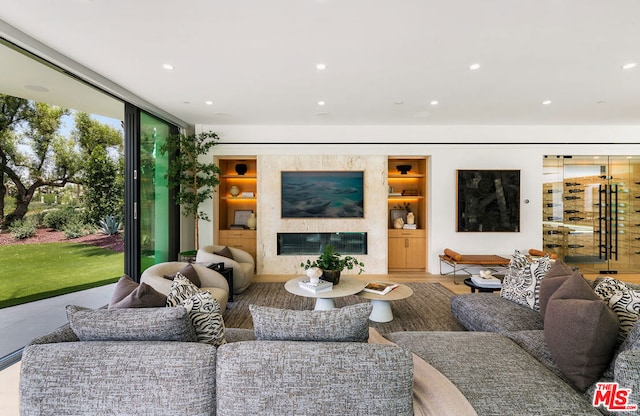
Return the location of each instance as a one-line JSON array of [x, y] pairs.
[[488, 201], [323, 194]]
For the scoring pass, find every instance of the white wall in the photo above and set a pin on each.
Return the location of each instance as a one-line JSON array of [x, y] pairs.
[[449, 148]]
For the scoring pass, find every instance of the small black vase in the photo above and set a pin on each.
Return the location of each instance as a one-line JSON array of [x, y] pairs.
[[241, 168], [332, 276]]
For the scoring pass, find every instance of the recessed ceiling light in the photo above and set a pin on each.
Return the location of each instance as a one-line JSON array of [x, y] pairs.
[[321, 67], [208, 102], [186, 102], [398, 102], [546, 102], [630, 65], [473, 67], [168, 67], [321, 103], [434, 102], [36, 88]]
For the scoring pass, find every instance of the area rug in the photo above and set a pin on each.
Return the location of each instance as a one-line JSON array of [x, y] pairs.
[[428, 309]]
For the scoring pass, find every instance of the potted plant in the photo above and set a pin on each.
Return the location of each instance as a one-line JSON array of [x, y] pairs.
[[190, 172], [332, 264]]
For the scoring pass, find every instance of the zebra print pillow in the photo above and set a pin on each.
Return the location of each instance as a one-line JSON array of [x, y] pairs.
[[624, 301], [521, 284], [204, 310]]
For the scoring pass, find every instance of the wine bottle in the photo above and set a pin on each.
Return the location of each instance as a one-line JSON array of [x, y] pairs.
[[575, 191], [572, 184], [575, 218], [550, 204], [571, 197], [552, 245], [575, 245], [553, 191], [554, 218], [571, 211], [559, 232]]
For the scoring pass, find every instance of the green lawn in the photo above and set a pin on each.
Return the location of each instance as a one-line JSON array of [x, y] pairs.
[[31, 272]]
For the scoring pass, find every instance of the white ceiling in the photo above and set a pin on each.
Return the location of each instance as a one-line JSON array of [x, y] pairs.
[[385, 60]]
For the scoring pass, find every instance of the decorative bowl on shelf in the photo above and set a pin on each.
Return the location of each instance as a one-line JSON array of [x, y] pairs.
[[241, 168], [403, 169]]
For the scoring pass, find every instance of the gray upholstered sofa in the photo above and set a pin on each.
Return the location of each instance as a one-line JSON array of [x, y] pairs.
[[62, 375], [503, 364]]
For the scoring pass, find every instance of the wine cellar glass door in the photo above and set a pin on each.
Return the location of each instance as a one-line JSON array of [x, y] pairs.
[[591, 212]]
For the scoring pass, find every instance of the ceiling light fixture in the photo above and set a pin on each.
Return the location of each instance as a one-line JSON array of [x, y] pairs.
[[473, 67], [321, 67], [630, 65], [208, 102], [434, 102], [546, 102], [168, 67], [321, 103], [398, 102]]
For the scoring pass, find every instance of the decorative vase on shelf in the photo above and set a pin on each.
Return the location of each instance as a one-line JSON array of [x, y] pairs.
[[410, 218], [234, 191], [241, 168], [398, 223], [314, 273], [252, 221]]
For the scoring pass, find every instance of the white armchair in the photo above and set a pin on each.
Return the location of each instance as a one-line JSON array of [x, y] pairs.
[[210, 280], [242, 263]]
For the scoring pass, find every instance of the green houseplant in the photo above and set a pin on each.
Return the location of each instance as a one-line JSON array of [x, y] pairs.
[[333, 263], [191, 174]]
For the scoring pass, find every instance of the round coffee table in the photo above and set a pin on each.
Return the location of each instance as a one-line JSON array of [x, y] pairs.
[[382, 303], [325, 300], [480, 289]]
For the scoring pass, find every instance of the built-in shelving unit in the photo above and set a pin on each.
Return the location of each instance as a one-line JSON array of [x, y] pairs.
[[407, 188], [230, 208]]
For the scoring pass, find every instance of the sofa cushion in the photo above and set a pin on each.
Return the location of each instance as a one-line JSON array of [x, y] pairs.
[[580, 330], [495, 375], [136, 324], [323, 378], [189, 272], [488, 312], [129, 294], [521, 283], [203, 309], [555, 277], [350, 323]]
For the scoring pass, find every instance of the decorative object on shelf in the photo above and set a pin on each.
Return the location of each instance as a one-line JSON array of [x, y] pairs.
[[234, 191], [332, 264], [185, 170], [247, 195], [403, 169], [252, 221], [241, 168], [241, 216], [411, 219], [314, 273], [398, 214]]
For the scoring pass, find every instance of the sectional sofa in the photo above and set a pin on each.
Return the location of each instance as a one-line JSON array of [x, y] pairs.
[[144, 361]]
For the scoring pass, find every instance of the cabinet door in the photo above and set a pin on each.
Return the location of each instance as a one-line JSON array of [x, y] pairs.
[[397, 253], [415, 252]]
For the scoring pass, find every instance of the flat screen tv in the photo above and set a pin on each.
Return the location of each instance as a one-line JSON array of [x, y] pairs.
[[323, 194]]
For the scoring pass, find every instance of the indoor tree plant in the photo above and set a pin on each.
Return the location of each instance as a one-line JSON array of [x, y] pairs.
[[194, 179], [332, 264]]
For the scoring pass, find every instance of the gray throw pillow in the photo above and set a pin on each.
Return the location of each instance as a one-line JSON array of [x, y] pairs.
[[580, 330], [129, 294], [189, 272], [347, 324], [136, 324], [224, 252], [555, 277]]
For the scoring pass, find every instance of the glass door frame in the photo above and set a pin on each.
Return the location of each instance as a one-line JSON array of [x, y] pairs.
[[132, 225]]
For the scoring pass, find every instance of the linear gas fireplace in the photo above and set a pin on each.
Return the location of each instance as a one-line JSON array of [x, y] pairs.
[[292, 244]]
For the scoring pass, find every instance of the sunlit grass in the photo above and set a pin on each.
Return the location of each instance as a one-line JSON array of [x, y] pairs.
[[31, 272]]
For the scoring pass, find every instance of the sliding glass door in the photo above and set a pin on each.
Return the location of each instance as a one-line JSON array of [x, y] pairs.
[[152, 218]]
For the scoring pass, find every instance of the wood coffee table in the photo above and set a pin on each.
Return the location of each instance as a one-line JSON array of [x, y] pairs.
[[325, 300], [382, 303]]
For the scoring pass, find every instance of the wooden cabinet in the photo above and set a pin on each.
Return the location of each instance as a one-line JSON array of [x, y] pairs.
[[242, 239], [236, 199], [407, 181], [407, 250]]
